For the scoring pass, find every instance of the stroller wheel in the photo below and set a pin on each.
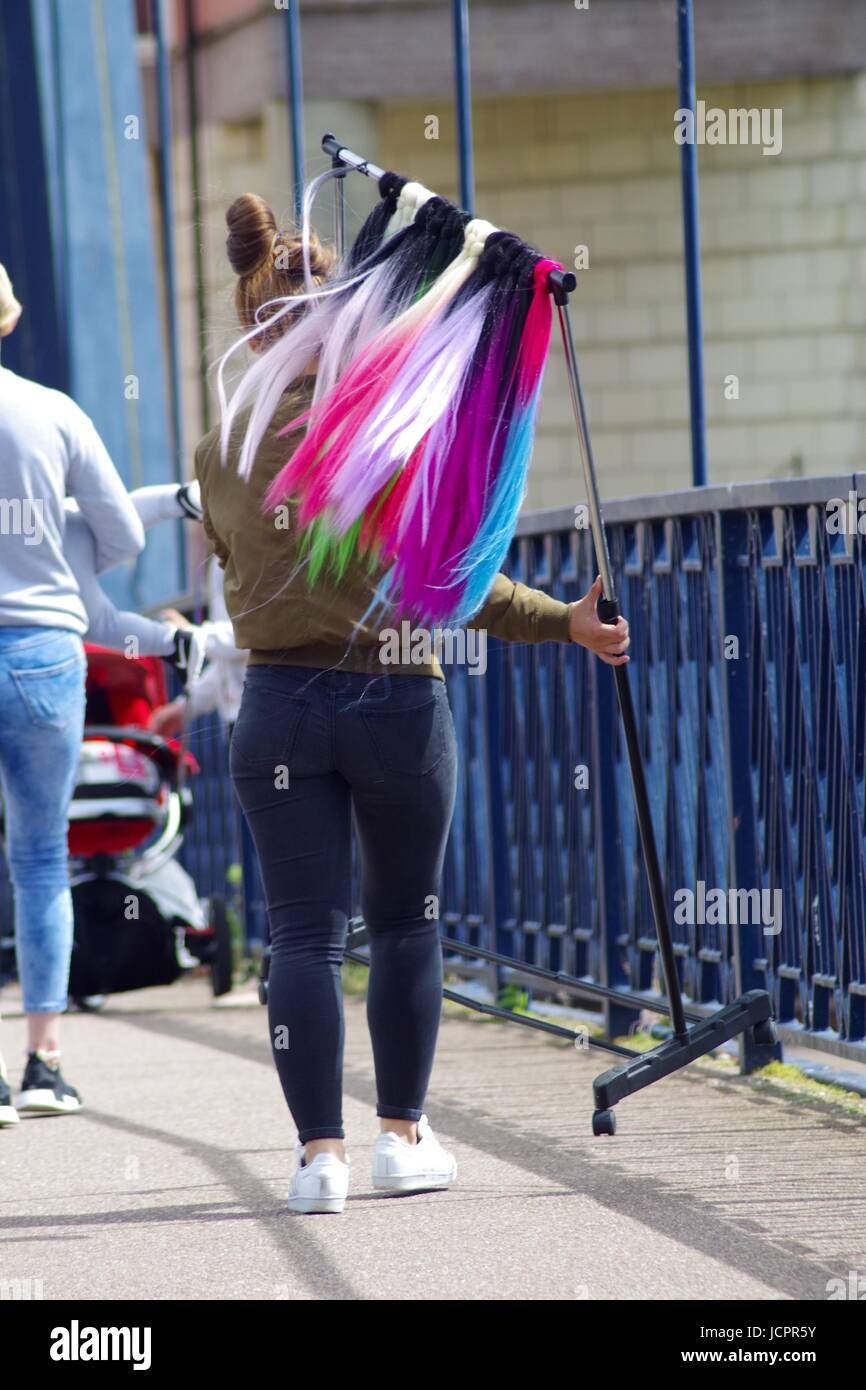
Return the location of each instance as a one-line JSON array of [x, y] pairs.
[[90, 1003], [603, 1122], [221, 961]]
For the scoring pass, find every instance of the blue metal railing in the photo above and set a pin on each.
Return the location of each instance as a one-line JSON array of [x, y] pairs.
[[748, 626]]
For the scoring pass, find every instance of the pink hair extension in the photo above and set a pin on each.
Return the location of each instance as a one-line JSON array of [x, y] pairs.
[[423, 398]]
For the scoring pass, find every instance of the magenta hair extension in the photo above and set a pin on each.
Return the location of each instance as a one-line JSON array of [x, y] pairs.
[[444, 572], [482, 558]]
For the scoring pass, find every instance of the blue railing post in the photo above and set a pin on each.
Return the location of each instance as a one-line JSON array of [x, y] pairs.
[[295, 98], [736, 599], [463, 102], [692, 245], [32, 199], [163, 86], [498, 905]]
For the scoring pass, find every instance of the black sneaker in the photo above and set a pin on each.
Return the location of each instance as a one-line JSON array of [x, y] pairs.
[[43, 1090], [8, 1113]]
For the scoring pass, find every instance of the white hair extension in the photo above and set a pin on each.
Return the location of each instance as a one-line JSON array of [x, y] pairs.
[[265, 380], [310, 193], [368, 311], [411, 197], [373, 308]]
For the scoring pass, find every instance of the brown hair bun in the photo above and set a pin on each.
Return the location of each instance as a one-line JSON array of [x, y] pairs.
[[252, 227], [269, 260]]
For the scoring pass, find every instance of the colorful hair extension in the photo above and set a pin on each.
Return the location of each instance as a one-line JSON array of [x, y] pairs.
[[435, 238], [351, 432], [420, 455], [476, 568], [430, 351], [340, 317]]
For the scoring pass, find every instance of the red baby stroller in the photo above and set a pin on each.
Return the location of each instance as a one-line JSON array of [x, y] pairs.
[[138, 918]]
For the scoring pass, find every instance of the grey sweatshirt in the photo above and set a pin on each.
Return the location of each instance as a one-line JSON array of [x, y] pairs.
[[49, 449]]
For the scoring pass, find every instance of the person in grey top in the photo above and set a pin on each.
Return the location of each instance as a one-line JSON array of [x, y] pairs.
[[49, 450]]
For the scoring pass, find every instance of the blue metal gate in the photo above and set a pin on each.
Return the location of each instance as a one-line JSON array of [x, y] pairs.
[[748, 624]]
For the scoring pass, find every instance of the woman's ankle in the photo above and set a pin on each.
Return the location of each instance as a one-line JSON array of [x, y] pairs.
[[406, 1129], [314, 1147]]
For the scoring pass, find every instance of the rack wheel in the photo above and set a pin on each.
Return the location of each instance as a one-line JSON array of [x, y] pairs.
[[765, 1033], [603, 1122]]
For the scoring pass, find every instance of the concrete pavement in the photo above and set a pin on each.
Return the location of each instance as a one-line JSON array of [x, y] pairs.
[[171, 1184]]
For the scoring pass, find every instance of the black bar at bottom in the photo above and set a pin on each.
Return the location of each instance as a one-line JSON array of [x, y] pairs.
[[539, 1024], [704, 1037]]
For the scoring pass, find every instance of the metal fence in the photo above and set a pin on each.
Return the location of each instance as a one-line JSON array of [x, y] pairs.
[[748, 626]]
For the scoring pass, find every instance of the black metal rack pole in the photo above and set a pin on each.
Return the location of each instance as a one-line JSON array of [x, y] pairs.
[[609, 611]]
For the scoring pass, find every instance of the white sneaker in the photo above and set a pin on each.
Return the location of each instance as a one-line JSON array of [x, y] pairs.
[[321, 1185], [399, 1166], [8, 1113]]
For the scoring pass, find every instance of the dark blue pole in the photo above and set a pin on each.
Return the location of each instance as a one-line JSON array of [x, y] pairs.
[[692, 245], [293, 69], [163, 89], [463, 100]]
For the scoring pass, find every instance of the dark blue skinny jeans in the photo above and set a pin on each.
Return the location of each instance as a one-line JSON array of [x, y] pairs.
[[310, 751]]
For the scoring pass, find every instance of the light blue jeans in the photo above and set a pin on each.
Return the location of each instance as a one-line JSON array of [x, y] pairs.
[[42, 674]]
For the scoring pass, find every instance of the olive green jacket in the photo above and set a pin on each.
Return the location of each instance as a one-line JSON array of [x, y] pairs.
[[281, 619]]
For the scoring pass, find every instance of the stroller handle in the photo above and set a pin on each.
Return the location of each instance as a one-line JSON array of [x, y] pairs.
[[164, 751]]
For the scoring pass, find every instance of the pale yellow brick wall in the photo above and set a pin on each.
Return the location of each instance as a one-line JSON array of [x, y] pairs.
[[784, 266], [784, 275]]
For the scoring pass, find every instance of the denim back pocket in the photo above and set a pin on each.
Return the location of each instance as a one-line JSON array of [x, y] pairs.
[[408, 730], [267, 728], [53, 694]]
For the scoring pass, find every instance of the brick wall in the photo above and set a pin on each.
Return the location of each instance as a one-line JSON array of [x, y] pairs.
[[784, 275], [784, 265]]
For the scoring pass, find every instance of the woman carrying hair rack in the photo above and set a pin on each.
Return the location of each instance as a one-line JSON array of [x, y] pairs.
[[328, 732]]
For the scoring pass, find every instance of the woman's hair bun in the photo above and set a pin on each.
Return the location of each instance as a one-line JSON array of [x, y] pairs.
[[288, 253], [269, 260], [252, 228]]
